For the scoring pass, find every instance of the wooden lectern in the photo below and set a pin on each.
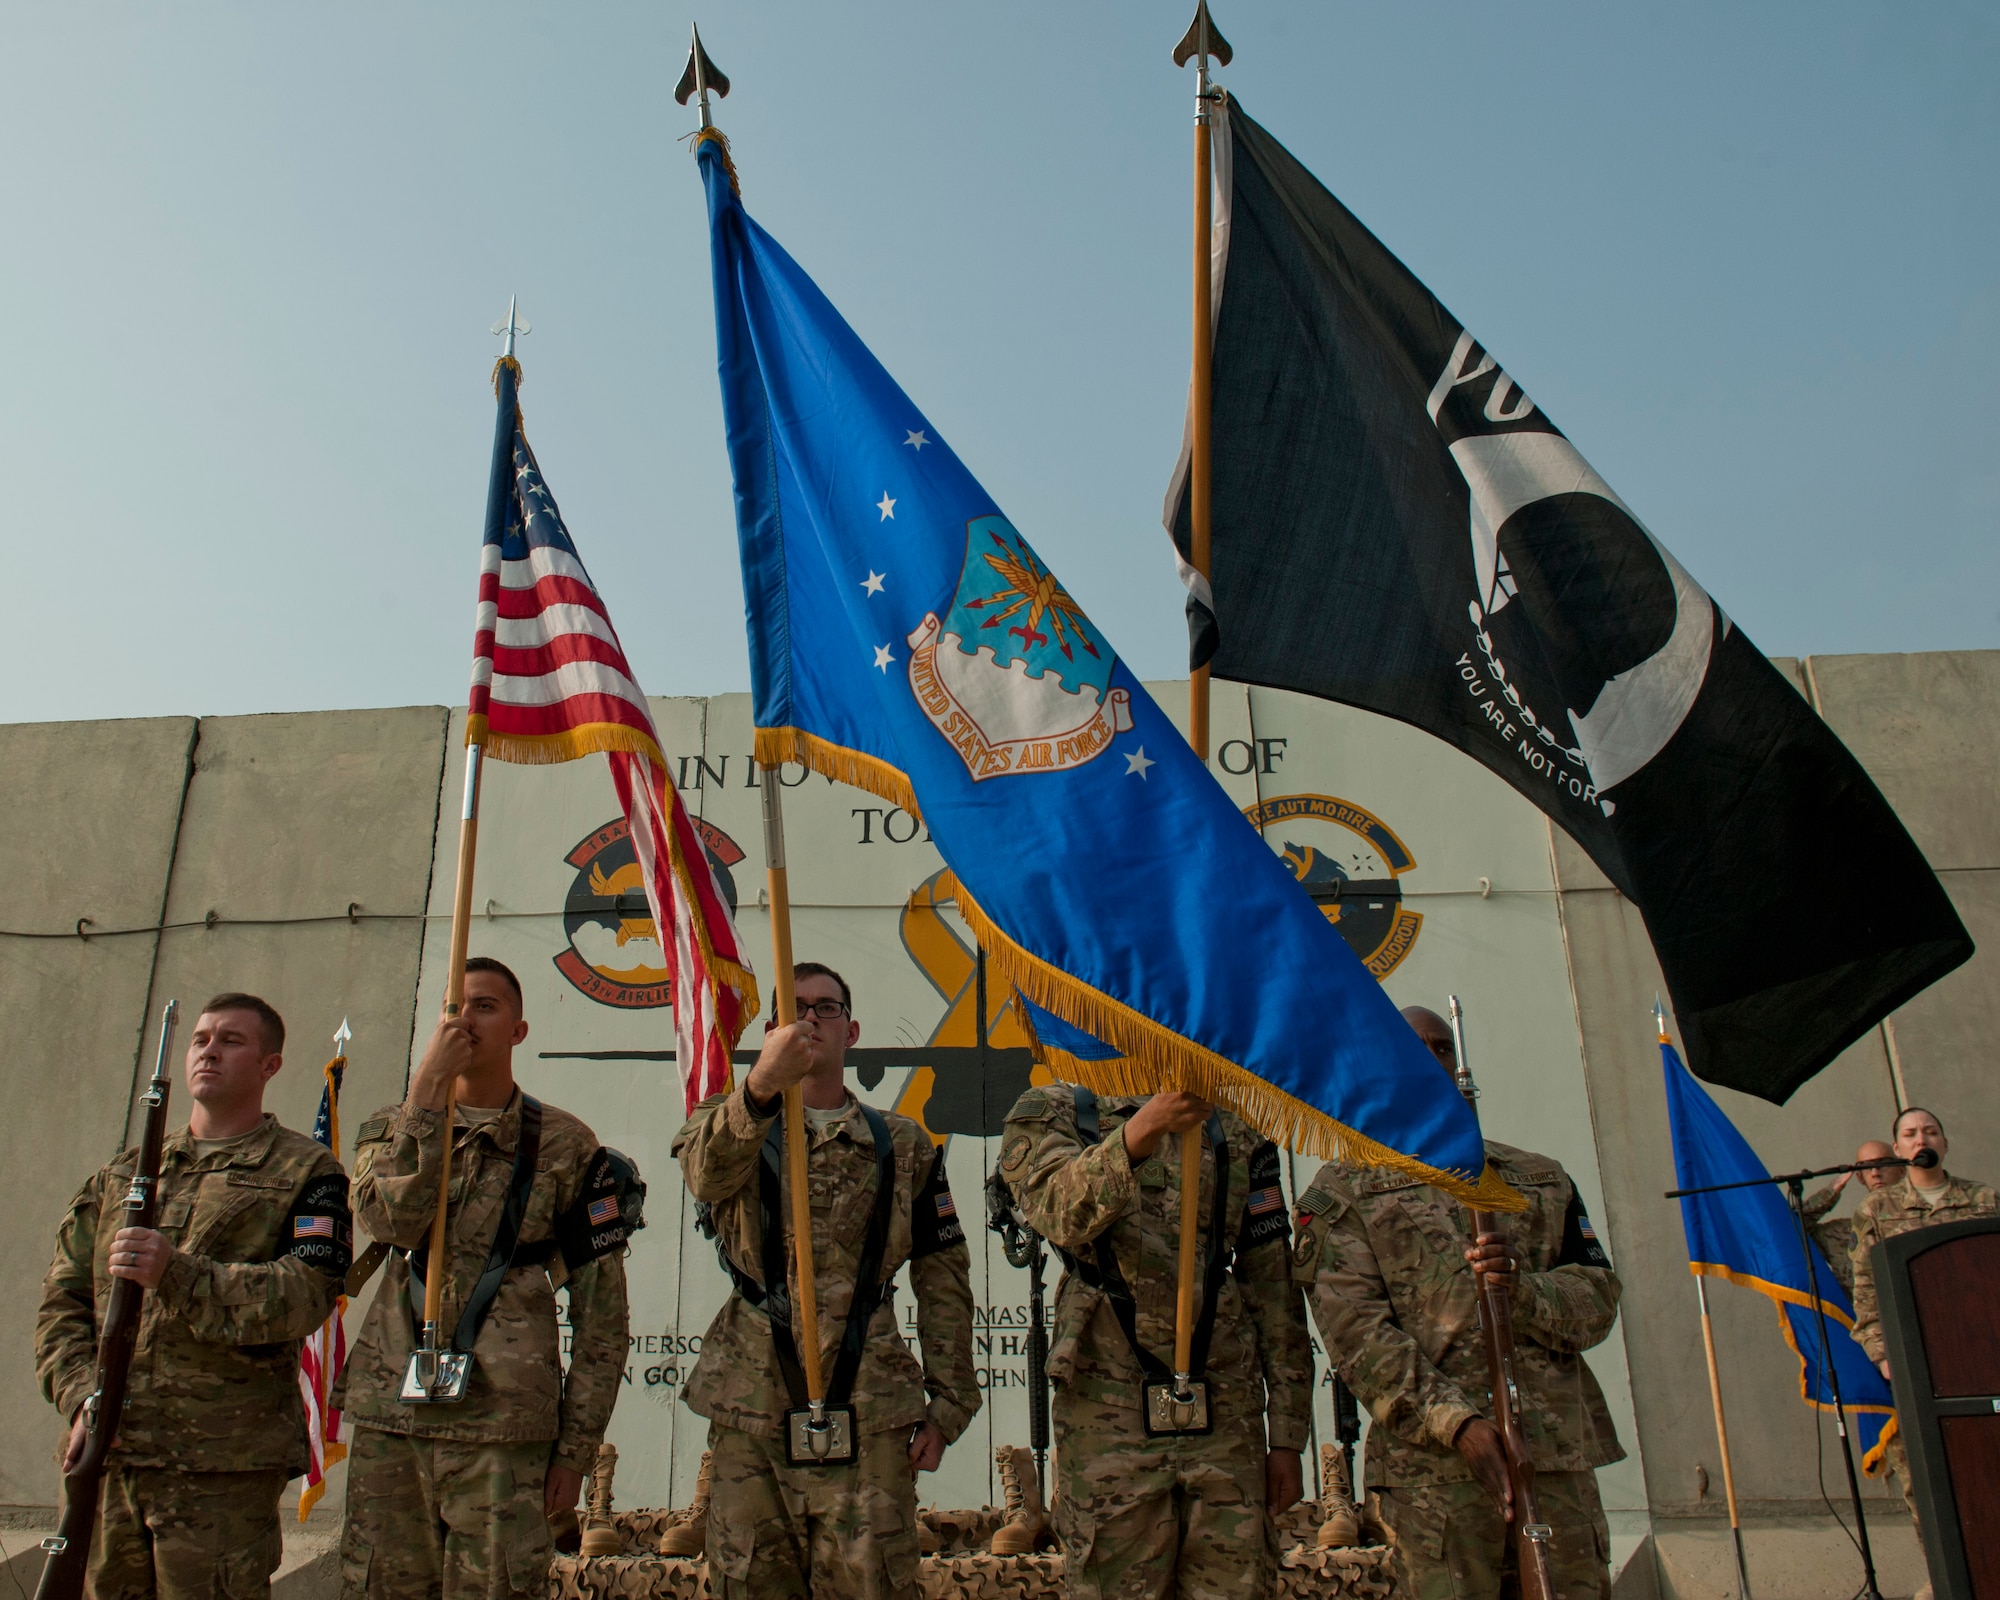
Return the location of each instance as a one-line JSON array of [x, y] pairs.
[[1940, 1301]]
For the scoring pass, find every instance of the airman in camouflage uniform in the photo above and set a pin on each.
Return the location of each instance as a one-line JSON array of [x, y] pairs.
[[1835, 1235], [1901, 1207], [1187, 1515], [776, 1530], [1388, 1262], [253, 1237], [455, 1497]]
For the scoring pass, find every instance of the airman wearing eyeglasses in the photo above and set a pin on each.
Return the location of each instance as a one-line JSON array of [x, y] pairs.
[[775, 1528]]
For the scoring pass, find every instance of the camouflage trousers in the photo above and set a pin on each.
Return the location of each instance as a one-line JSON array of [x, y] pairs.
[[186, 1535], [434, 1517], [1896, 1457], [1145, 1519], [1449, 1541], [834, 1533]]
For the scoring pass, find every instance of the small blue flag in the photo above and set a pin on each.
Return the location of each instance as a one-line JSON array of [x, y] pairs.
[[905, 638], [1749, 1236]]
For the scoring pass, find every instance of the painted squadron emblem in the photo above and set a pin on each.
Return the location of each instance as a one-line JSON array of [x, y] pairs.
[[614, 953], [1015, 676], [1349, 862]]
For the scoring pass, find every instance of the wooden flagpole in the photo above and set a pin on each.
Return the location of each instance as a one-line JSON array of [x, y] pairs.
[[701, 79], [454, 1002], [1200, 42], [427, 1368], [1200, 461], [800, 1196], [1722, 1439]]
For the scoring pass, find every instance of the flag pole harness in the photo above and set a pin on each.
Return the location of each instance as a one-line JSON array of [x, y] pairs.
[[823, 1433], [1173, 1402], [454, 1366]]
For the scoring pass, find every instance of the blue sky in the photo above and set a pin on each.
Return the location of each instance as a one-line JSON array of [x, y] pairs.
[[1747, 257]]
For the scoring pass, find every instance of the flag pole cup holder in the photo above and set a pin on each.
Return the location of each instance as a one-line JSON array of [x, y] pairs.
[[819, 1435], [1177, 1407], [435, 1377]]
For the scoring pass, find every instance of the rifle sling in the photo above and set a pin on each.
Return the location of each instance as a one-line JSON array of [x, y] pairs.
[[1103, 1273], [502, 1254]]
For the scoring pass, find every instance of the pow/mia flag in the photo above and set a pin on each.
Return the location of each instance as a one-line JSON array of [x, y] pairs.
[[1398, 527]]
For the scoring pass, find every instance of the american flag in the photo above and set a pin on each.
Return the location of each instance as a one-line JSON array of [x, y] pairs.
[[325, 1352], [550, 683]]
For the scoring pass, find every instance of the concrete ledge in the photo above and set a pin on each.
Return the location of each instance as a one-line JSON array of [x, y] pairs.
[[1805, 1558]]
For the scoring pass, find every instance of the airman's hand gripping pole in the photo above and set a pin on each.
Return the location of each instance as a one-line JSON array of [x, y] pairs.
[[1496, 1317]]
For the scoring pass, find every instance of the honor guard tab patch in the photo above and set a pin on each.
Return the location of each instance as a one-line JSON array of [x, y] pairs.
[[322, 1229], [934, 1223], [1580, 1247], [1264, 1217]]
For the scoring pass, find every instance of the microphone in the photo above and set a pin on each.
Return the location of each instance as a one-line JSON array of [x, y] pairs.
[[1925, 1158]]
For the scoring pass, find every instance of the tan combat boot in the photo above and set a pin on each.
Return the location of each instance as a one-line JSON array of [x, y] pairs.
[[600, 1534], [687, 1533], [1026, 1521], [1340, 1527]]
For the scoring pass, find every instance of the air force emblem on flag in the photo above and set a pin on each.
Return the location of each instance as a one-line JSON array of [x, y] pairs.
[[1015, 676]]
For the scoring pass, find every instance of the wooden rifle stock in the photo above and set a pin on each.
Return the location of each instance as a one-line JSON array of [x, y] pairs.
[[1496, 1321], [1529, 1532], [69, 1549]]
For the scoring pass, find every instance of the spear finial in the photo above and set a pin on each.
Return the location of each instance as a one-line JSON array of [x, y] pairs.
[[1660, 1019], [1201, 41], [701, 76], [341, 1035], [510, 325]]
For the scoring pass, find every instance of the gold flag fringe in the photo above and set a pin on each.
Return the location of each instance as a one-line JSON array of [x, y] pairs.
[[550, 749], [1157, 1058], [720, 140], [510, 362], [773, 747]]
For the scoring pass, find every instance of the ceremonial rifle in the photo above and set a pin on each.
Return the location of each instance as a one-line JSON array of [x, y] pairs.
[[1496, 1320], [69, 1546], [1022, 1246]]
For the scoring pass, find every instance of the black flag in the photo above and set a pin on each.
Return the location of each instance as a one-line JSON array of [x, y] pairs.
[[1398, 527]]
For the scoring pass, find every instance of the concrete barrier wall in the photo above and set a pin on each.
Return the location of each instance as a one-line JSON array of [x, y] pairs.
[[91, 813]]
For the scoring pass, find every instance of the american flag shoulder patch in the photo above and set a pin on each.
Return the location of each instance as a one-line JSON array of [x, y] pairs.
[[312, 1227], [1266, 1200], [1588, 1231], [947, 1207], [605, 1210]]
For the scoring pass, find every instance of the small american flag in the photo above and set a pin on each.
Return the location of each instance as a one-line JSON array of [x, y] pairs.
[[947, 1207], [605, 1210], [1265, 1200], [550, 683], [325, 1352]]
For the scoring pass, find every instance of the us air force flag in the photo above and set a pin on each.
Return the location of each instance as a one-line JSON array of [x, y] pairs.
[[906, 638], [1397, 526], [1749, 1236]]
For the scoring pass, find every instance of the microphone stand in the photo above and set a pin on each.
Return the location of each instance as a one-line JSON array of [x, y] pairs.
[[1795, 1191]]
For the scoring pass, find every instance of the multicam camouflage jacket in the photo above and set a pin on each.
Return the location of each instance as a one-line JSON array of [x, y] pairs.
[[519, 1391], [261, 1236], [1383, 1258], [1898, 1209], [1260, 1357], [738, 1382], [1833, 1235]]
